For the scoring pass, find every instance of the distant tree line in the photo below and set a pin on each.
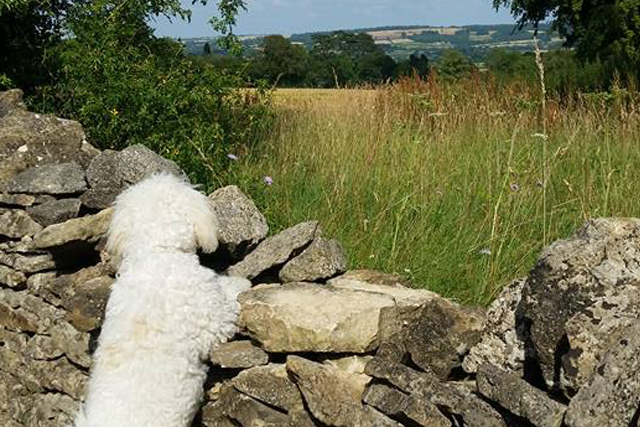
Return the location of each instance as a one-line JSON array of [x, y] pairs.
[[338, 59], [345, 59]]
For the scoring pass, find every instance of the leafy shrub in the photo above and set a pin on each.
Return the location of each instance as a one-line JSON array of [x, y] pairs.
[[127, 86]]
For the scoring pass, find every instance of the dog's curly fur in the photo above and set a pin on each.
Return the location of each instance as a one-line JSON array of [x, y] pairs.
[[165, 312]]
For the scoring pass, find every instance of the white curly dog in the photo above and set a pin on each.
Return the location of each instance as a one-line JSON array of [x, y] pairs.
[[165, 312]]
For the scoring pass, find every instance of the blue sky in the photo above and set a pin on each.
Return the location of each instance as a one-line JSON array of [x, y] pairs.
[[297, 16]]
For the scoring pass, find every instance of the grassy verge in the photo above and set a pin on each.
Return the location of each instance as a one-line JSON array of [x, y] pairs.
[[454, 186]]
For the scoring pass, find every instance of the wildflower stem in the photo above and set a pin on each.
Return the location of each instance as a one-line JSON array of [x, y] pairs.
[[543, 125]]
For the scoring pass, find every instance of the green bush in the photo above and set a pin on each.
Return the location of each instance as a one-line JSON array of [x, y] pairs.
[[127, 87]]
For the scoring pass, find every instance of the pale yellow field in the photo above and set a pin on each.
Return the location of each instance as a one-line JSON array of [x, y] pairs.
[[320, 98]]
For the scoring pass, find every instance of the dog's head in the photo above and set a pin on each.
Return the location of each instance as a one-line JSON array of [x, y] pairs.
[[162, 212]]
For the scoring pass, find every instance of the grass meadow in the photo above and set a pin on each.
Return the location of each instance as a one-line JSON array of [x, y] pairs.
[[456, 186]]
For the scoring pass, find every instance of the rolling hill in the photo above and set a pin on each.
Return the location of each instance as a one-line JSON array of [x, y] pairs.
[[401, 41]]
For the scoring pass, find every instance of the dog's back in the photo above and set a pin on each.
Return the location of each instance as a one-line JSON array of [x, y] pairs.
[[164, 315], [165, 311]]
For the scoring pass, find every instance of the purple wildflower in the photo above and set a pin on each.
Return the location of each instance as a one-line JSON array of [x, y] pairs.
[[267, 180]]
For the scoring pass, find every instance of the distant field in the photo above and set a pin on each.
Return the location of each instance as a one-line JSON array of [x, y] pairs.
[[457, 187], [318, 98]]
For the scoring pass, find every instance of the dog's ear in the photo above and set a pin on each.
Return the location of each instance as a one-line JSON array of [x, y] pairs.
[[205, 225]]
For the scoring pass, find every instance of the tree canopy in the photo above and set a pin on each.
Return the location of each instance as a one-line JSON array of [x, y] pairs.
[[607, 30]]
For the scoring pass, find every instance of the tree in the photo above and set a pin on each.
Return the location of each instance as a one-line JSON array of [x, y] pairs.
[[416, 65], [206, 50], [280, 61], [454, 65], [376, 67], [28, 28], [508, 65], [342, 58], [607, 30]]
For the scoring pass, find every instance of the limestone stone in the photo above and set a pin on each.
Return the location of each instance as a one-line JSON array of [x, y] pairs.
[[60, 375], [22, 312], [592, 332], [321, 260], [103, 170], [502, 341], [11, 389], [55, 211], [455, 400], [111, 172], [137, 162], [37, 376], [386, 284], [62, 339], [22, 246], [569, 276], [374, 277], [105, 183], [88, 229], [333, 396], [275, 250], [29, 139], [11, 101], [28, 263], [519, 397], [17, 200], [65, 286], [238, 354], [17, 320], [16, 369], [375, 418], [83, 293], [396, 404], [270, 384], [610, 399], [298, 317], [48, 409], [39, 284], [20, 407], [16, 224], [98, 197], [85, 309], [242, 225], [43, 347], [240, 409], [10, 277], [62, 178], [435, 335], [352, 364]]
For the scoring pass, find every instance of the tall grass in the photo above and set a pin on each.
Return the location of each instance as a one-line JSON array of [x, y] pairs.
[[455, 186]]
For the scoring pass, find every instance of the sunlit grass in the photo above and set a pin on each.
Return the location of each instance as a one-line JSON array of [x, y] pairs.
[[445, 184]]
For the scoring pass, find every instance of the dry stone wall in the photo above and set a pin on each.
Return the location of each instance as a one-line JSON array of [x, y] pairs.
[[319, 345]]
